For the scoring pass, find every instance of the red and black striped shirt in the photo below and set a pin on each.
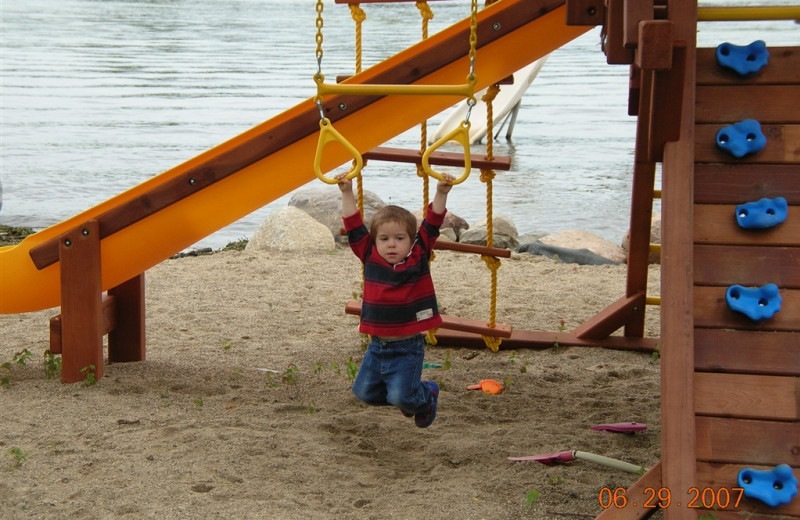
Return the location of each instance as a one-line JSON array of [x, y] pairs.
[[398, 299]]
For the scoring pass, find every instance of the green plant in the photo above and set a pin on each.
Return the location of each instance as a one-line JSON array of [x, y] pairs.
[[531, 498], [89, 374], [5, 381], [352, 369], [562, 326], [311, 407], [18, 456], [22, 357], [656, 352], [292, 375], [708, 516], [555, 480], [447, 364], [198, 402], [227, 345], [52, 364]]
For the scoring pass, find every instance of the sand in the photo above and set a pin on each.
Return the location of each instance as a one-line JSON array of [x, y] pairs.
[[202, 429]]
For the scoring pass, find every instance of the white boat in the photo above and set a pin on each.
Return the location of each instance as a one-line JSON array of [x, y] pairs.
[[505, 104]]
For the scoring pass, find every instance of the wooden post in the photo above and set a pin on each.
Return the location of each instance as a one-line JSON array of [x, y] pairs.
[[126, 341], [678, 463], [81, 303]]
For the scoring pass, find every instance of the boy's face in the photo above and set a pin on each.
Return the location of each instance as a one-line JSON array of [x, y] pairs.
[[393, 242]]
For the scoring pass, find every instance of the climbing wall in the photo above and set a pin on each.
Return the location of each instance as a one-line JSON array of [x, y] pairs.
[[747, 372]]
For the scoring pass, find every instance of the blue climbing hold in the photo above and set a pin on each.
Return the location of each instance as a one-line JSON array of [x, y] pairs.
[[774, 487], [742, 138], [746, 60], [757, 303], [762, 214]]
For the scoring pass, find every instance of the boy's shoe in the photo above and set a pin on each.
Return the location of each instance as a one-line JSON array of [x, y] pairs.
[[406, 414], [425, 419]]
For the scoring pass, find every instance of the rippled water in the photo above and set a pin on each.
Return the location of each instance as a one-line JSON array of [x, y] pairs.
[[97, 96]]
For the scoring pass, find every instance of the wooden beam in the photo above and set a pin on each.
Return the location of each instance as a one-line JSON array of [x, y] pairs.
[[678, 437], [737, 183], [711, 311], [452, 322], [81, 303], [402, 155], [126, 341], [586, 12], [747, 396], [764, 103], [745, 441], [716, 224], [108, 324], [613, 317], [636, 13], [783, 145], [783, 69], [472, 248], [654, 50], [541, 339], [616, 52], [747, 265], [778, 352]]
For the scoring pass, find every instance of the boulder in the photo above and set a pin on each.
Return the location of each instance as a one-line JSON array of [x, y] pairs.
[[291, 229], [566, 255], [451, 221], [655, 238], [586, 240], [325, 206], [504, 233]]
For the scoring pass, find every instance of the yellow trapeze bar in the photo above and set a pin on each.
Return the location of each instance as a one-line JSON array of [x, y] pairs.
[[375, 89], [721, 14]]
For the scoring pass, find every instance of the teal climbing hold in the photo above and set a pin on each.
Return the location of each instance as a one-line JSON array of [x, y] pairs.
[[774, 487], [762, 214], [757, 303], [745, 60], [742, 138]]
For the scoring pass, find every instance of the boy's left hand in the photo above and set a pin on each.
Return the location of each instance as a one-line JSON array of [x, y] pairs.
[[446, 185]]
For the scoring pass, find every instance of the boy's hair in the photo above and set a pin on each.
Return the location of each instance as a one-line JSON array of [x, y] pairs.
[[397, 214]]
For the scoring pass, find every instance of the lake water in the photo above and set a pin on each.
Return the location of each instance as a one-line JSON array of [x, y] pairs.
[[97, 96]]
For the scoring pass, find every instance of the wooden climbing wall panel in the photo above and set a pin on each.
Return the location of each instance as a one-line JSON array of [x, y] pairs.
[[747, 374]]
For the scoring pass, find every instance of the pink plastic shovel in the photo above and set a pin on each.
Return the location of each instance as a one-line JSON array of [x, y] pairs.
[[568, 456], [621, 427]]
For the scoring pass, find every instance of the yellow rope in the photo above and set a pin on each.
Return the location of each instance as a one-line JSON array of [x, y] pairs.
[[358, 16], [487, 175]]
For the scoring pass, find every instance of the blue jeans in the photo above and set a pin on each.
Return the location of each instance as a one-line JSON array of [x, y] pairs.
[[390, 375]]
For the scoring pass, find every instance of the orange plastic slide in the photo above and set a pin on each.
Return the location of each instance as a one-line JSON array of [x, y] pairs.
[[145, 243]]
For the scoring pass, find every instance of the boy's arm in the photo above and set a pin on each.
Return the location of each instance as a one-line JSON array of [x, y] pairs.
[[349, 206], [439, 203]]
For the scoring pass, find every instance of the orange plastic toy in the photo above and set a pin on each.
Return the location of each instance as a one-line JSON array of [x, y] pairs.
[[488, 386]]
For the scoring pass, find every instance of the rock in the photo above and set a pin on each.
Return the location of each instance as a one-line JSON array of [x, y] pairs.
[[451, 221], [291, 229], [504, 233], [655, 238], [586, 240], [325, 206], [565, 254]]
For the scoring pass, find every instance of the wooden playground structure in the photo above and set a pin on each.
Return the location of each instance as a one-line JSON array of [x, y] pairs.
[[730, 386]]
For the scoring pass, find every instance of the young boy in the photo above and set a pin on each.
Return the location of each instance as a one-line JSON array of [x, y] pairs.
[[399, 302]]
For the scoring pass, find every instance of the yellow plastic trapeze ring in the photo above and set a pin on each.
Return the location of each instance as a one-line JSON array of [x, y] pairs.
[[327, 134], [461, 135]]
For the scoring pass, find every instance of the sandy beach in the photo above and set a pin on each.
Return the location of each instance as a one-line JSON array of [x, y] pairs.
[[243, 407]]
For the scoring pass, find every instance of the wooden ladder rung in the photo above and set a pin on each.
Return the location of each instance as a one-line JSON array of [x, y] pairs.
[[383, 153], [472, 248], [454, 323]]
